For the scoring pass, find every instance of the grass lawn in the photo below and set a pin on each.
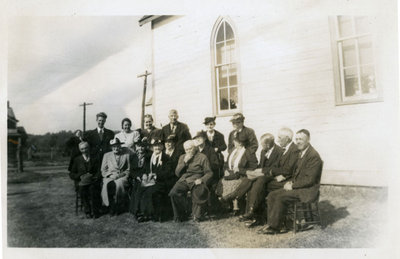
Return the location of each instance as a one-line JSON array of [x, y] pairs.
[[41, 213]]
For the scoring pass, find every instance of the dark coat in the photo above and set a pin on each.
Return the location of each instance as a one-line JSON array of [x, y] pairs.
[[307, 175], [72, 146], [173, 159], [218, 142], [152, 134], [197, 168], [248, 136], [181, 132], [212, 158], [137, 169], [99, 147], [267, 164], [81, 167], [287, 162], [247, 162]]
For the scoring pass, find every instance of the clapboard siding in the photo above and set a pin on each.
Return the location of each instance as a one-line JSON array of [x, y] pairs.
[[286, 77]]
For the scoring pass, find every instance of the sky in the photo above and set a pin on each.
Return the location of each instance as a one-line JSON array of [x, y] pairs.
[[55, 63]]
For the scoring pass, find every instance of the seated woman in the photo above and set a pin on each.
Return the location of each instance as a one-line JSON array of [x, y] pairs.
[[128, 136], [239, 161], [115, 170], [139, 163]]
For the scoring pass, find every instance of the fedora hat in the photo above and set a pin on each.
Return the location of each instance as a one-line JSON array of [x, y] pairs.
[[171, 138], [200, 194], [237, 117], [208, 120], [115, 142], [201, 134]]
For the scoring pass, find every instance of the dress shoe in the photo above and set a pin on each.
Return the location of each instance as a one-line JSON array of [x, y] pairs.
[[274, 231], [253, 223], [247, 216]]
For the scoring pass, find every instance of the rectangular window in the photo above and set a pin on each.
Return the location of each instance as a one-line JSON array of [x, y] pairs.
[[353, 57]]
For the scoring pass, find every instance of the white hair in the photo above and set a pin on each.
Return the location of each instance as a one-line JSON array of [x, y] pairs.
[[286, 132], [189, 144]]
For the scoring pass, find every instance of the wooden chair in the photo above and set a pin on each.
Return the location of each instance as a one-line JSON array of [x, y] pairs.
[[304, 214]]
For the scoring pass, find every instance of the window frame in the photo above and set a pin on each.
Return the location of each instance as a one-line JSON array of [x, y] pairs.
[[215, 90], [338, 68]]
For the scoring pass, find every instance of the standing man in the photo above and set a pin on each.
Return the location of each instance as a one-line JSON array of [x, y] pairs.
[[194, 172], [243, 133], [179, 129], [303, 187], [99, 138]]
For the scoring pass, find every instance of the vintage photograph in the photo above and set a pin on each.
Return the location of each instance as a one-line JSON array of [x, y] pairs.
[[202, 130]]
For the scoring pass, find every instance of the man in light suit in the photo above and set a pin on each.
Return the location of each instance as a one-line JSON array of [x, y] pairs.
[[99, 138], [303, 187], [178, 129]]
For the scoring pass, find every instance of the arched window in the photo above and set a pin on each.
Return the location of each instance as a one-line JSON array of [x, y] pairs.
[[225, 70]]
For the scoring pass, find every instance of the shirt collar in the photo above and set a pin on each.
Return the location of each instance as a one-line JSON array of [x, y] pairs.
[[304, 151], [269, 152], [99, 130]]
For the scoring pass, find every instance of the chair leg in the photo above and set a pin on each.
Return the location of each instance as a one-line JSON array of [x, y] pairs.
[[294, 217]]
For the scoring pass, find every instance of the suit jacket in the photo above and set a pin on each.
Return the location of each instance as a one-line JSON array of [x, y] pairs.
[[81, 167], [181, 132], [212, 158], [137, 169], [110, 166], [196, 168], [267, 164], [218, 141], [246, 134], [287, 162], [173, 159], [307, 175], [99, 147], [247, 162]]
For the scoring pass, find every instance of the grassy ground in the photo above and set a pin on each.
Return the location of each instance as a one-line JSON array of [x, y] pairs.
[[41, 213]]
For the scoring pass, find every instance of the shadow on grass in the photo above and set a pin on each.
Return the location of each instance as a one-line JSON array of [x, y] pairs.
[[330, 214]]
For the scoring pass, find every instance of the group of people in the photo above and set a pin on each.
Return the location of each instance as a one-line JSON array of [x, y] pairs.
[[162, 174]]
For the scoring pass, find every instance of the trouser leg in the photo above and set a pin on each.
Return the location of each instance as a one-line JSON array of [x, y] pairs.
[[111, 190], [178, 200], [277, 205], [85, 198]]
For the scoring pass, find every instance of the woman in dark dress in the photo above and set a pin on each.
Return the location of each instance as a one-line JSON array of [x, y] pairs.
[[217, 141]]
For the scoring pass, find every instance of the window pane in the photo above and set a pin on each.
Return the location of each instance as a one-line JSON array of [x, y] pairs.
[[351, 82], [229, 31], [222, 76], [366, 52], [345, 26], [233, 97], [349, 53], [220, 53], [232, 74], [223, 99], [368, 79], [363, 24], [220, 34], [230, 51]]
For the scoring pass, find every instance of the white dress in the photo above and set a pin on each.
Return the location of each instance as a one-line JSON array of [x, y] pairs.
[[129, 139]]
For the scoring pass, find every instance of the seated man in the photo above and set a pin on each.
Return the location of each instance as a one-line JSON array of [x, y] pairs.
[[85, 173], [256, 180], [303, 187], [284, 171], [115, 170], [193, 170]]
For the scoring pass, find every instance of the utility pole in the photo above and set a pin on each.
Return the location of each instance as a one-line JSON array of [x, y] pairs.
[[144, 95], [84, 114]]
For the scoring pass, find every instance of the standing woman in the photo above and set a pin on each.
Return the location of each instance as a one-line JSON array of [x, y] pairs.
[[127, 135], [217, 141]]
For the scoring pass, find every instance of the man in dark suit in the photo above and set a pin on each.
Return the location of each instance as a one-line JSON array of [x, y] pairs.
[[99, 138], [284, 171], [179, 129], [254, 184], [206, 149], [193, 169], [303, 187], [242, 132], [86, 174]]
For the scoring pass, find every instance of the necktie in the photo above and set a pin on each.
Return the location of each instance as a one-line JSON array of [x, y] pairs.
[[101, 134], [284, 150]]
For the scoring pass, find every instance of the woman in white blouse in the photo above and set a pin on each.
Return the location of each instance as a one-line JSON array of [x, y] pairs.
[[127, 135]]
